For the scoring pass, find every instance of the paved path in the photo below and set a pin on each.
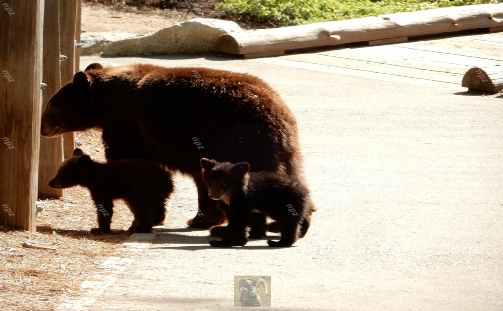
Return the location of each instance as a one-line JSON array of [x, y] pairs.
[[407, 176]]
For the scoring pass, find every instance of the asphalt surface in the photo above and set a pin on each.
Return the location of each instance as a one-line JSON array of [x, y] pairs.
[[407, 174]]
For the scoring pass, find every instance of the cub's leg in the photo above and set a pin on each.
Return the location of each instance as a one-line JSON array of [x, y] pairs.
[[258, 225], [289, 232], [304, 226], [159, 212], [104, 212], [143, 211], [234, 234]]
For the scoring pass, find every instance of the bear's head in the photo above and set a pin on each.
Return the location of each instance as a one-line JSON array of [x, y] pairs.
[[71, 109], [224, 179], [74, 171]]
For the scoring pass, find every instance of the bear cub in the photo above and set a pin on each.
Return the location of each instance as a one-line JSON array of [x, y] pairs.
[[245, 193], [143, 185]]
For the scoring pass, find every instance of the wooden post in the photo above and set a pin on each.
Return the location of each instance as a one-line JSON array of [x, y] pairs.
[[51, 149], [78, 22], [20, 103], [67, 39]]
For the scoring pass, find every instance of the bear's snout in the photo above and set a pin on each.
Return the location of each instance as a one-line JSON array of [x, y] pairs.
[[54, 184], [47, 129]]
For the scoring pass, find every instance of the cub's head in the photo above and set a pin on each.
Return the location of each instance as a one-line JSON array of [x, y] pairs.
[[224, 179], [74, 171], [70, 109]]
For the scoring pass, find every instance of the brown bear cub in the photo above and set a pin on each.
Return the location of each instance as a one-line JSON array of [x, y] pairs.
[[246, 193], [143, 185]]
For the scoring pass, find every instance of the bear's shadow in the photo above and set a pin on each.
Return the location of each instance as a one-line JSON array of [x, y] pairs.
[[168, 237], [192, 242], [115, 237], [203, 247]]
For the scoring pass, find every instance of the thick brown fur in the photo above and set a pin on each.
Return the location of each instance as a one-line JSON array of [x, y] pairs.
[[247, 194], [178, 115], [143, 185]]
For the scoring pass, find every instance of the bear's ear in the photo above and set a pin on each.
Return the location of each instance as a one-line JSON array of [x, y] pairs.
[[78, 152], [93, 66], [207, 163], [240, 169], [80, 80]]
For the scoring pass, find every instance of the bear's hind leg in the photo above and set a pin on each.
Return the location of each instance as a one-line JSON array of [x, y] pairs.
[[258, 225], [289, 233], [158, 213], [304, 226], [144, 212]]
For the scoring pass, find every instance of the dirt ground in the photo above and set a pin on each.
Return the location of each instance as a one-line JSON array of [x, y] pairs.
[[36, 279]]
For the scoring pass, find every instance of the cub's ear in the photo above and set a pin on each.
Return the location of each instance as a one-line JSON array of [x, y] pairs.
[[207, 163], [94, 66], [78, 152], [80, 79], [241, 168]]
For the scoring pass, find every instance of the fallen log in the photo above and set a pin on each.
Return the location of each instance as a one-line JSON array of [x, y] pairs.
[[374, 30], [489, 80]]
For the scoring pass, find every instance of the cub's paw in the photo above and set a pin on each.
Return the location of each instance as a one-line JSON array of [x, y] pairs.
[[278, 243], [218, 231], [100, 231]]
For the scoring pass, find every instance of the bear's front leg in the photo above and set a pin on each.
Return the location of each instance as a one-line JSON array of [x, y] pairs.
[[231, 236], [218, 231], [209, 213], [139, 227], [104, 210]]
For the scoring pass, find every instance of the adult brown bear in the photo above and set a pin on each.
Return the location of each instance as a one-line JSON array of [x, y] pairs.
[[178, 115]]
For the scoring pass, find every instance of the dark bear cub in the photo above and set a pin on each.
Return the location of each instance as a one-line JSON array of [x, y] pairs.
[[143, 185], [246, 193]]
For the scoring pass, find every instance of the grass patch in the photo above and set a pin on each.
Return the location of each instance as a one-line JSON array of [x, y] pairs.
[[296, 12]]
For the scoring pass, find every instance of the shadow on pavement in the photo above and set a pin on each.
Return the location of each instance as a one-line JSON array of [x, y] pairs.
[[203, 247], [186, 229], [116, 236], [172, 238], [473, 93]]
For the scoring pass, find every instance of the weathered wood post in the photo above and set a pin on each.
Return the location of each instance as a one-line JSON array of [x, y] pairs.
[[20, 104], [51, 149], [67, 39], [78, 28]]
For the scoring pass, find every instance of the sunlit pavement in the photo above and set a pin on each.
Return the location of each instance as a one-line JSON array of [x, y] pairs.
[[407, 174]]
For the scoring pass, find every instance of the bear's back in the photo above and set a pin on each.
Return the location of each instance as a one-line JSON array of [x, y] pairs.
[[273, 191]]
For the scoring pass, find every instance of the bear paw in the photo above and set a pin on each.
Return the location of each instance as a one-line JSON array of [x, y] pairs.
[[278, 243], [218, 231], [139, 229]]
